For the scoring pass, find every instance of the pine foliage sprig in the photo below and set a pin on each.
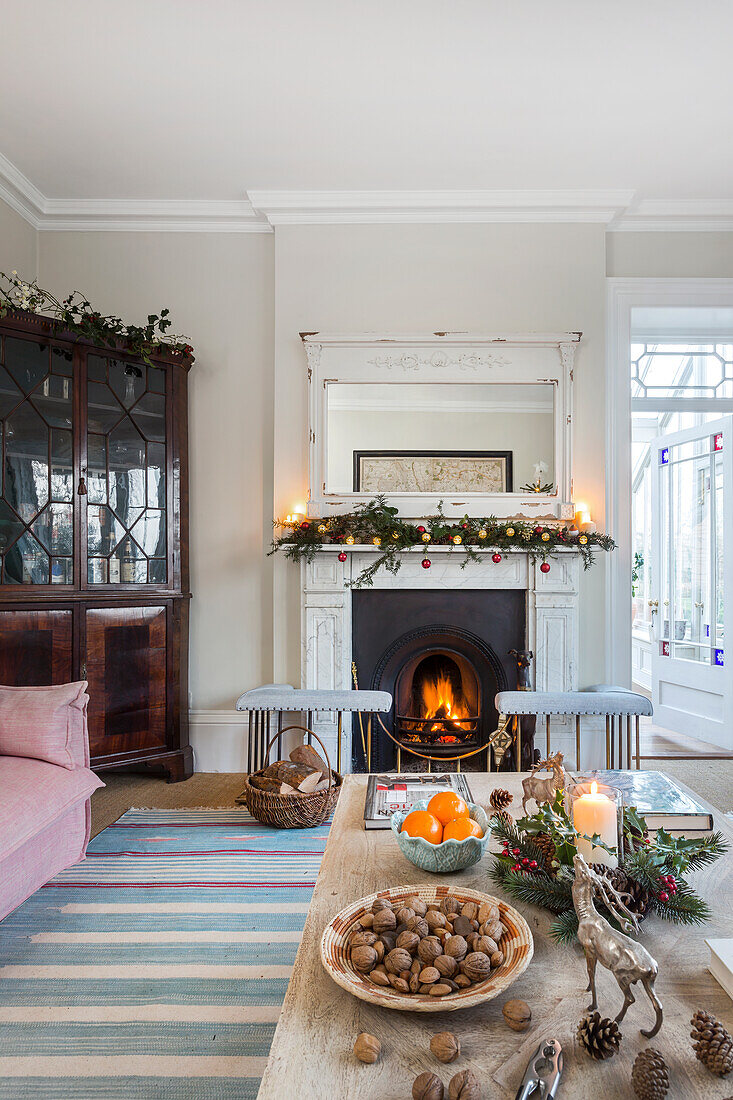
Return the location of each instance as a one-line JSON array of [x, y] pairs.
[[540, 890]]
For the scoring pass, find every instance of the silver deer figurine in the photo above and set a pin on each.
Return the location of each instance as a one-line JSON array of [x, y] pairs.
[[627, 960], [543, 789]]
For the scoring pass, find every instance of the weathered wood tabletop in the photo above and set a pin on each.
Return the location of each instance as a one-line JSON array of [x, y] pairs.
[[312, 1049]]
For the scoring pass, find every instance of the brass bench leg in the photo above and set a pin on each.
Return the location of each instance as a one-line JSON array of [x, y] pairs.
[[628, 741], [369, 744], [399, 759], [577, 742], [518, 731], [638, 751]]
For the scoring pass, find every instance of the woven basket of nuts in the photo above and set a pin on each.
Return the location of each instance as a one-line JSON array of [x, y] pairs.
[[426, 948]]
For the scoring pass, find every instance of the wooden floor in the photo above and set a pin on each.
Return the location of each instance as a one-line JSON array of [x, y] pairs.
[[658, 743]]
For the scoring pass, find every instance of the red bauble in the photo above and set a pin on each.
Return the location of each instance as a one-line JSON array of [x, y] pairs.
[[421, 530], [343, 556], [496, 558], [304, 525], [545, 567], [426, 563], [538, 530]]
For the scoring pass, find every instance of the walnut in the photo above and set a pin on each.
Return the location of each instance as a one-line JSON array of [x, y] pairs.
[[450, 905], [379, 904], [408, 941], [464, 1086], [429, 975], [404, 914], [398, 960], [366, 920], [427, 1087], [469, 910], [487, 912], [367, 1047], [445, 1046], [517, 1014], [440, 989], [497, 959], [435, 919], [384, 921], [419, 925], [476, 966], [493, 929], [485, 945], [472, 939], [363, 958], [456, 947], [429, 948], [416, 904], [446, 965], [363, 938]]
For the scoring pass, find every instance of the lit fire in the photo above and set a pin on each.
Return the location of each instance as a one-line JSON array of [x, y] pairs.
[[438, 702]]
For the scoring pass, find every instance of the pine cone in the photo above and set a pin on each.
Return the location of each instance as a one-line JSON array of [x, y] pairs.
[[649, 1075], [499, 799], [600, 1037], [546, 845], [506, 817], [713, 1044], [634, 896]]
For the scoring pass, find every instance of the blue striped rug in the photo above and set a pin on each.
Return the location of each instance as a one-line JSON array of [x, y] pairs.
[[155, 969]]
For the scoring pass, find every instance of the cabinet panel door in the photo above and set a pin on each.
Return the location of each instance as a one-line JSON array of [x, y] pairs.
[[126, 670], [36, 648]]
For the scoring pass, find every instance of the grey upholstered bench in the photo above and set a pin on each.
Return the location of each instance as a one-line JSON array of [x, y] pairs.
[[612, 704]]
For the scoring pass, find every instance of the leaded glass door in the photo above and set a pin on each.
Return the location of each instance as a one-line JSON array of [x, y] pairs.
[[692, 674], [37, 501], [127, 438]]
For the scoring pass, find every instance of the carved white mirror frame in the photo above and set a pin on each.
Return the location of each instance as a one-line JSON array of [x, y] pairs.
[[442, 357]]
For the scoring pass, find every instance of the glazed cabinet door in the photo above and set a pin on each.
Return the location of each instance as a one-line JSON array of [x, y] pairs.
[[126, 659], [36, 647]]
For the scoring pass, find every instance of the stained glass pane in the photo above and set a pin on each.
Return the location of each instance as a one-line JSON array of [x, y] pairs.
[[53, 401], [104, 409], [149, 533], [27, 361], [104, 530], [26, 462], [10, 394], [127, 380], [26, 562], [96, 469], [55, 528], [149, 415]]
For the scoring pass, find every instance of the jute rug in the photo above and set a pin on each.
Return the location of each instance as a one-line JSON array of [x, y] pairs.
[[157, 967]]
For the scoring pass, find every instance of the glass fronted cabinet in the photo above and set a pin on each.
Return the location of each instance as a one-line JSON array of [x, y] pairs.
[[93, 534]]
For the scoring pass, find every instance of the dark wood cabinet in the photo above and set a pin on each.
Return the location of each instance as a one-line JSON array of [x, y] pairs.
[[93, 535]]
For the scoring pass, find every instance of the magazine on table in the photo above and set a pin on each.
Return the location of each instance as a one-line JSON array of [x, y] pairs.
[[388, 793]]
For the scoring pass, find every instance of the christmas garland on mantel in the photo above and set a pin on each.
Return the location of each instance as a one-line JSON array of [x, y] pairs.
[[378, 524]]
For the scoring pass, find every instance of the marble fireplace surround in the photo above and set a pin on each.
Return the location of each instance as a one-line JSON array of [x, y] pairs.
[[551, 615]]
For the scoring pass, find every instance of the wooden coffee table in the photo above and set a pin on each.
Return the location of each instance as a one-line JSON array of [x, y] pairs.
[[311, 1057]]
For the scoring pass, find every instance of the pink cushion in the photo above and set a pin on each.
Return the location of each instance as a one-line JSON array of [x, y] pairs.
[[45, 723], [34, 794]]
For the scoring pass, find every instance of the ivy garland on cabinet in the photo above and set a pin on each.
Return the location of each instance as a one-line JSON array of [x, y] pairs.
[[378, 524]]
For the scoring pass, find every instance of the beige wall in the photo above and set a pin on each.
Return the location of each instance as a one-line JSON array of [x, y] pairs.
[[17, 244], [670, 255], [219, 290], [511, 278]]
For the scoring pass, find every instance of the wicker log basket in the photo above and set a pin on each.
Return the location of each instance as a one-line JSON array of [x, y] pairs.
[[294, 811]]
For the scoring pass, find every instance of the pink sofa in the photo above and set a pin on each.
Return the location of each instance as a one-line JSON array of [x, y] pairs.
[[45, 786]]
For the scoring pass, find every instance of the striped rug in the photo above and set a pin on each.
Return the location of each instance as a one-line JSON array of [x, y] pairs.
[[155, 969]]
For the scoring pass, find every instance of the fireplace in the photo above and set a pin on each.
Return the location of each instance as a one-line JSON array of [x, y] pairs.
[[443, 657]]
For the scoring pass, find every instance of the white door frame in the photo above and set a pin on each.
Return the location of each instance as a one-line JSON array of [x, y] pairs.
[[622, 295]]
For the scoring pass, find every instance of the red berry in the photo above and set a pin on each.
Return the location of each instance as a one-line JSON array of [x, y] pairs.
[[426, 563], [342, 556], [516, 867], [304, 525], [533, 864], [664, 896], [545, 567], [525, 862], [496, 558], [515, 851], [464, 526]]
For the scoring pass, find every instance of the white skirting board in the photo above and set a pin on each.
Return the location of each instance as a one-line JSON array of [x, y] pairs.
[[219, 741]]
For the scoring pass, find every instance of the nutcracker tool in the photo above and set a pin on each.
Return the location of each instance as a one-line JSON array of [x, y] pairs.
[[542, 1078]]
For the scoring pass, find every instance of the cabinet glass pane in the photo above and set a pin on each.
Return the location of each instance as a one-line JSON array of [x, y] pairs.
[[126, 454], [37, 407]]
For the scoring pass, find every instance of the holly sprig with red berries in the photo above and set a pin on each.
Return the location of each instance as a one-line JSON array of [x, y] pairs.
[[378, 524], [541, 874]]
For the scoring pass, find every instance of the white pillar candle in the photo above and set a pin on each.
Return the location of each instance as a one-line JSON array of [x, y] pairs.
[[594, 813]]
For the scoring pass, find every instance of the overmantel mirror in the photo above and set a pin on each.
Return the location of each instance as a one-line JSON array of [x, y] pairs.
[[481, 423]]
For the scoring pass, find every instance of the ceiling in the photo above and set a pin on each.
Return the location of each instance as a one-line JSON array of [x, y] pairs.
[[212, 102]]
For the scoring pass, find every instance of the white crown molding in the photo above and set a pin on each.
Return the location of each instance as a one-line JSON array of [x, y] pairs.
[[650, 216], [20, 194], [437, 207]]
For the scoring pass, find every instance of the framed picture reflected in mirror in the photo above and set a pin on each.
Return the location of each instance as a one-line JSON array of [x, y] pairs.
[[432, 471]]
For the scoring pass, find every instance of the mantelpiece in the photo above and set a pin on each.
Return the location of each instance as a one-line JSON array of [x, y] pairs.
[[532, 370], [551, 608]]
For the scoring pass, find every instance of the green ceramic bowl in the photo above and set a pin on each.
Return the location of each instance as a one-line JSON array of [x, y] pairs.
[[451, 855]]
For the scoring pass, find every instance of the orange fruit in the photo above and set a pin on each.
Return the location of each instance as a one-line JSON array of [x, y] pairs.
[[421, 823], [461, 829], [447, 806]]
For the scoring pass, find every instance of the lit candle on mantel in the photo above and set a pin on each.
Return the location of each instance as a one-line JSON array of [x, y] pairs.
[[595, 814]]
